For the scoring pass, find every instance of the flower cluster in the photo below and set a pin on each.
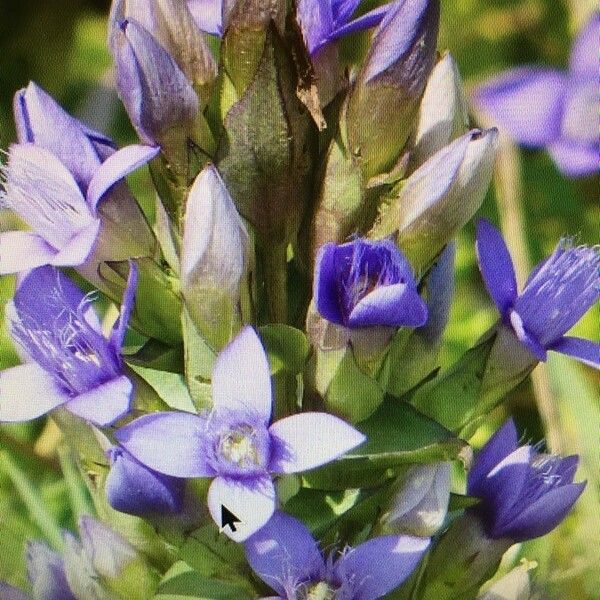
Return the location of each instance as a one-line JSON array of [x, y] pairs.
[[267, 367]]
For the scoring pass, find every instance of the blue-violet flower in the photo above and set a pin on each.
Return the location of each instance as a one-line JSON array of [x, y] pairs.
[[235, 443]]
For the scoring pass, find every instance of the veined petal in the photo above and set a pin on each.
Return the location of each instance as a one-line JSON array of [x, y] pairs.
[[526, 102], [381, 564], [41, 190], [119, 329], [325, 287], [308, 440], [43, 122], [168, 442], [496, 266], [23, 250], [586, 351], [28, 392], [104, 404], [391, 305], [584, 53], [500, 445], [316, 22], [241, 379], [545, 514], [283, 550], [252, 501], [79, 247], [116, 167], [370, 19]]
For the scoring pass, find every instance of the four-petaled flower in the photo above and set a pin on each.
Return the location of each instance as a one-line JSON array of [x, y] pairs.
[[324, 21], [559, 291], [235, 443], [286, 557], [525, 494], [542, 107], [366, 283], [69, 361]]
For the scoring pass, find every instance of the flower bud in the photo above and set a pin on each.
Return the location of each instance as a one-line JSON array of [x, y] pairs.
[[385, 98], [514, 585], [440, 197], [214, 257], [46, 572], [172, 25], [420, 502], [443, 113], [158, 97]]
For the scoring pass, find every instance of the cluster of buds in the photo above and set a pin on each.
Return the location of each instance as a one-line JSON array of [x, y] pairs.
[[291, 295]]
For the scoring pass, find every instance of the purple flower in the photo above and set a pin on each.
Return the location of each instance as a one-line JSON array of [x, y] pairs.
[[69, 362], [55, 179], [525, 494], [46, 571], [556, 110], [235, 443], [156, 93], [365, 283], [324, 21], [207, 15], [286, 557], [559, 291], [135, 489]]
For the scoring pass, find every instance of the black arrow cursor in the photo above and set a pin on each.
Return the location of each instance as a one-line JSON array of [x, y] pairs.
[[228, 518]]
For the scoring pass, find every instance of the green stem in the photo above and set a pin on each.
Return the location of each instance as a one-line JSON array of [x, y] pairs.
[[275, 276]]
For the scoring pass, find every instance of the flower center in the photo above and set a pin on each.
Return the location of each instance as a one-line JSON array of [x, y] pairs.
[[317, 591], [239, 448]]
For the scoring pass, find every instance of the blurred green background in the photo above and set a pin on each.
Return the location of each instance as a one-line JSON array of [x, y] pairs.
[[61, 45]]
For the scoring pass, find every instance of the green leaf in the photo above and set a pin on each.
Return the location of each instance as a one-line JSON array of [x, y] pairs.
[[397, 434], [170, 387], [287, 347], [182, 582], [156, 355]]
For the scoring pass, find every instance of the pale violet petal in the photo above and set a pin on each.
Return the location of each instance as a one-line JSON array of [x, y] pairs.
[[308, 440], [27, 392], [23, 250], [104, 404], [79, 247], [241, 379], [250, 501]]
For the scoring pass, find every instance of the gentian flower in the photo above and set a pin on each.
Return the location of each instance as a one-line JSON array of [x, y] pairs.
[[324, 21], [56, 179], [559, 291], [235, 443], [364, 283], [208, 15], [135, 489], [286, 557], [546, 108], [525, 494], [70, 362]]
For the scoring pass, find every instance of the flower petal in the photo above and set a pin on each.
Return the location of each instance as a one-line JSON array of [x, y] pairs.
[[308, 440], [496, 266], [283, 549], [116, 167], [104, 404], [8, 592], [23, 250], [117, 335], [381, 564], [526, 102], [137, 490], [27, 392], [545, 514], [252, 501], [370, 19], [584, 52], [168, 442], [389, 305], [573, 159], [316, 22], [207, 15], [79, 247], [325, 287], [500, 445], [241, 379], [46, 572], [586, 351]]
